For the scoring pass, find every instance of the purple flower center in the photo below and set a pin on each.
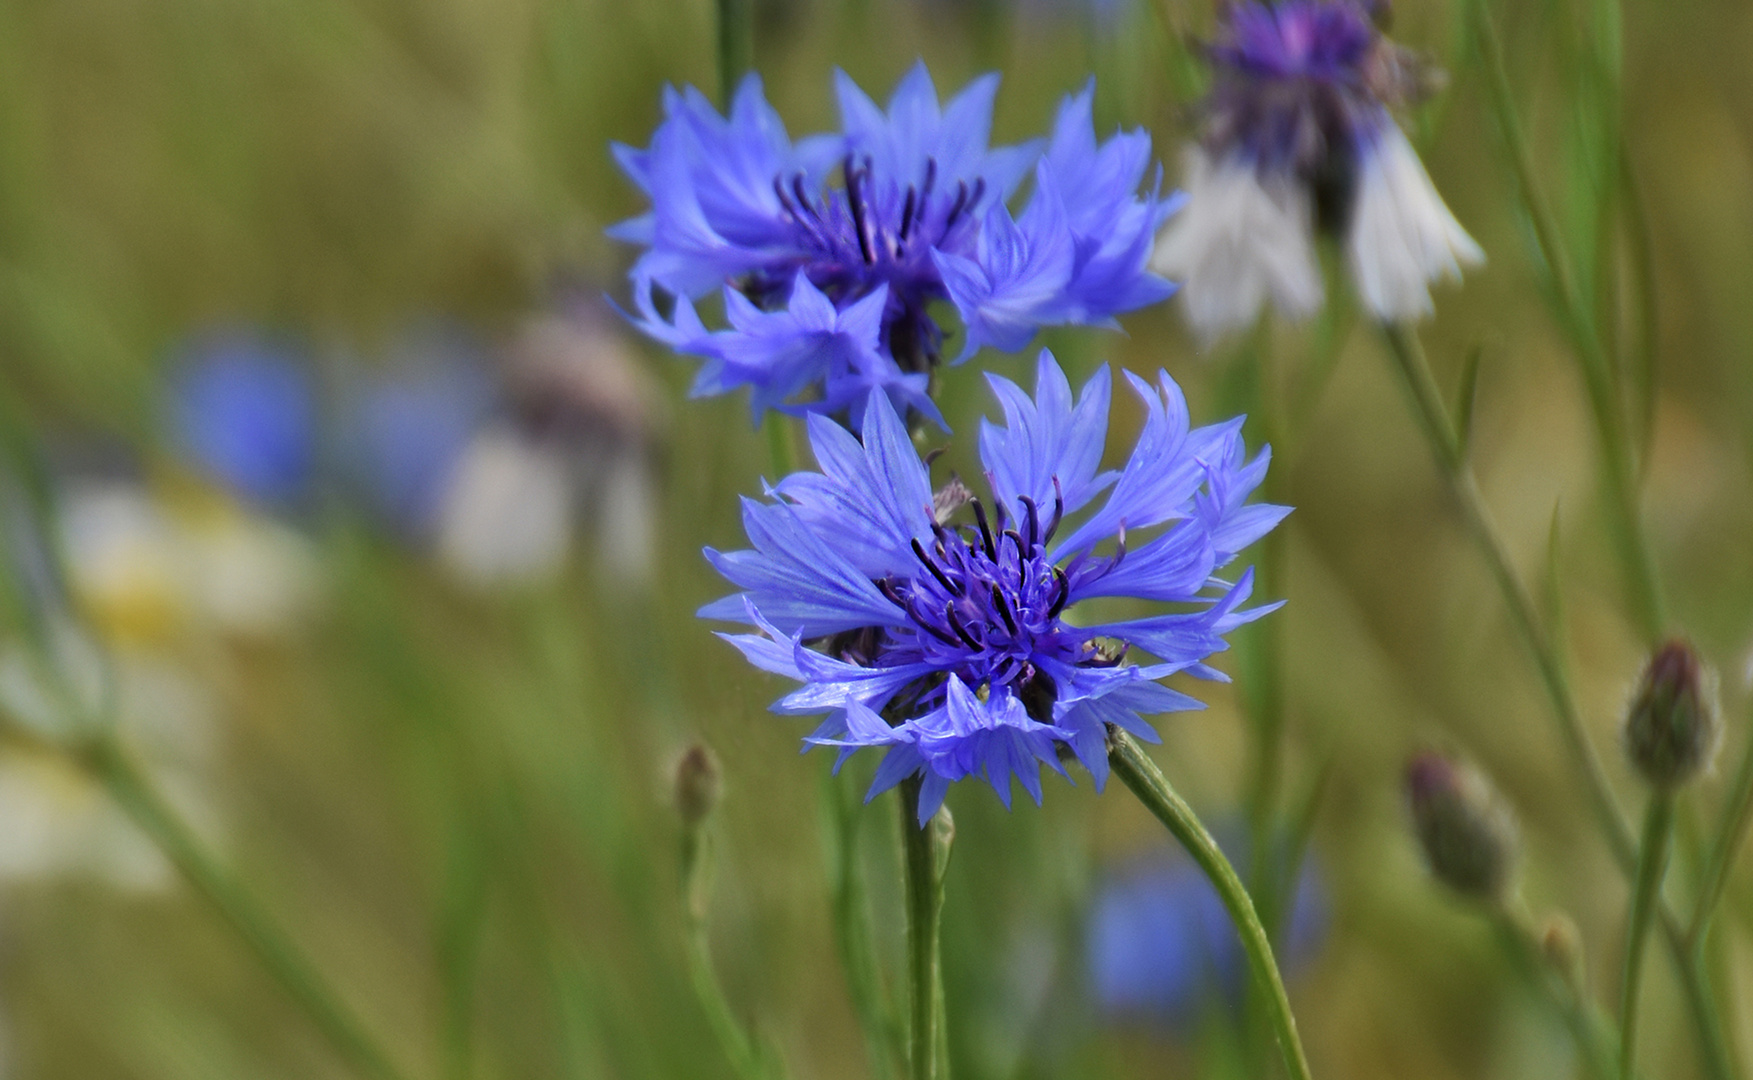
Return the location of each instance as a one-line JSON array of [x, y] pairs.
[[873, 231], [985, 605], [1307, 39]]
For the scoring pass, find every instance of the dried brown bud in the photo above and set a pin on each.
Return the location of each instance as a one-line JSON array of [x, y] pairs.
[[1671, 729], [1468, 834], [698, 784]]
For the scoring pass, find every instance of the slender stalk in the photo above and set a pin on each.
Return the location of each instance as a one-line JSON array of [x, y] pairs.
[[131, 788], [1652, 863], [1619, 476], [1433, 419], [851, 921], [1141, 776], [736, 46], [923, 862], [1737, 814], [1592, 1031], [738, 1048]]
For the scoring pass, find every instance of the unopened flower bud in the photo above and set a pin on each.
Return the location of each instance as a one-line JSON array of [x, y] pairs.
[[1468, 834], [698, 784], [1561, 944], [1671, 728]]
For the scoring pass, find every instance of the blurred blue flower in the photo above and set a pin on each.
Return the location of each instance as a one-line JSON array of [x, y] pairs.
[[828, 287], [1159, 941], [950, 645], [1298, 137], [409, 425], [242, 409]]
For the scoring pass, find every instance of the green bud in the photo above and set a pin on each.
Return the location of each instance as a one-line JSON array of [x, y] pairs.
[[1671, 728], [698, 785], [1468, 834]]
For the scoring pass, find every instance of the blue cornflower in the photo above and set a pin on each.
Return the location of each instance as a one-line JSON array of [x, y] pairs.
[[1298, 138], [956, 646], [1159, 942], [242, 409], [832, 251]]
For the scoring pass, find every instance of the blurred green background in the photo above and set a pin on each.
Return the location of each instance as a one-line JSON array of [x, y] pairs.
[[455, 795]]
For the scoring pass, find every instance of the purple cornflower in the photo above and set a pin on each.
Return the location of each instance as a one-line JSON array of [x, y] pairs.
[[831, 251], [1298, 139], [943, 628]]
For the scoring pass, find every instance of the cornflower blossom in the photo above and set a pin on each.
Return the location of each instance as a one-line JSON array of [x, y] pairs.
[[242, 410], [945, 629], [1160, 945], [828, 286], [1298, 138]]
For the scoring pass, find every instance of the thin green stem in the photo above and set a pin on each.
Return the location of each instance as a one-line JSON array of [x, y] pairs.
[[736, 46], [135, 793], [923, 862], [1592, 1031], [1652, 863], [1737, 815], [738, 1048], [1619, 476], [1433, 419], [1141, 776], [851, 921]]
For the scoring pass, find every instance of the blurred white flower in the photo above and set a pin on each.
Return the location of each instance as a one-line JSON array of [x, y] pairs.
[[143, 568], [59, 820], [506, 515]]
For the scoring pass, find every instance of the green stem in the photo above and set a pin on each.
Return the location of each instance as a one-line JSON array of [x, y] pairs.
[[131, 788], [736, 47], [924, 910], [1591, 1030], [738, 1048], [852, 924], [1652, 863], [1737, 814], [1618, 473], [1433, 419], [1141, 776]]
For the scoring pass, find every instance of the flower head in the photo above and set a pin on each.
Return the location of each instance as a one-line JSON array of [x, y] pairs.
[[831, 252], [1298, 137], [1160, 944], [243, 410], [945, 629]]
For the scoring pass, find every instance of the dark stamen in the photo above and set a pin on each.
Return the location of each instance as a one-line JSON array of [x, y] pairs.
[[925, 188], [1003, 610], [936, 633], [985, 532], [907, 214], [1034, 519], [1022, 553], [919, 550], [1064, 584], [955, 208], [803, 198], [1058, 512], [949, 612], [784, 199], [892, 591], [855, 203]]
